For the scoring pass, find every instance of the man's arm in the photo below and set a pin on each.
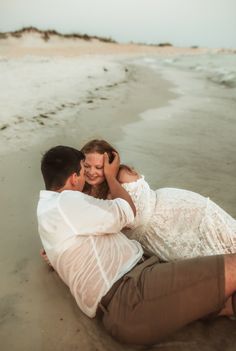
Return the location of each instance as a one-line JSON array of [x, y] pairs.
[[116, 190]]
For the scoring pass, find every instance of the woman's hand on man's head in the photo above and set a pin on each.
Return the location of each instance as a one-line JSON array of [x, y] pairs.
[[111, 169]]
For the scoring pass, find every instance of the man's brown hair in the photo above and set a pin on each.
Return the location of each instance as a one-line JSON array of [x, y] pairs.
[[58, 163]]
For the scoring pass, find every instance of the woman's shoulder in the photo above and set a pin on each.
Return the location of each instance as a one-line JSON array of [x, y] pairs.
[[127, 175]]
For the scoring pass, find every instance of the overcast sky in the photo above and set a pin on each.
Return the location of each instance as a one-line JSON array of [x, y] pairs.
[[210, 23]]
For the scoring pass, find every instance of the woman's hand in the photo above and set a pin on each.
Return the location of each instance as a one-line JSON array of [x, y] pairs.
[[116, 190], [111, 169]]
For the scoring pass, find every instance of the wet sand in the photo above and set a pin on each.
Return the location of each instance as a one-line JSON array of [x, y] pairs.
[[37, 311]]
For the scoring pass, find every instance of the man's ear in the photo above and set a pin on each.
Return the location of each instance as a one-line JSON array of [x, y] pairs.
[[74, 179]]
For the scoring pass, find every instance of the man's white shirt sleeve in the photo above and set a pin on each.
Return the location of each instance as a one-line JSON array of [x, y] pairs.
[[89, 216]]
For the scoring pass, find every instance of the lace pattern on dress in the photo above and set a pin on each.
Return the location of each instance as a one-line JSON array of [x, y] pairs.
[[177, 224], [143, 199]]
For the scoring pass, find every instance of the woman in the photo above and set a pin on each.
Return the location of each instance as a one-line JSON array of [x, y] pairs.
[[170, 223]]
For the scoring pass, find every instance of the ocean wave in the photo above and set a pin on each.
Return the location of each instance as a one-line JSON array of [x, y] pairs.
[[227, 79], [218, 68]]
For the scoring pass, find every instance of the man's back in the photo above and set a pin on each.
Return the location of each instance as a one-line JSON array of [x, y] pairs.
[[72, 227]]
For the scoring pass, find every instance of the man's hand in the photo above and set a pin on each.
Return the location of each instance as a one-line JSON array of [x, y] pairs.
[[111, 169], [44, 256]]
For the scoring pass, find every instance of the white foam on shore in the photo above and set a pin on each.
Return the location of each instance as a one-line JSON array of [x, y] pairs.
[[43, 91]]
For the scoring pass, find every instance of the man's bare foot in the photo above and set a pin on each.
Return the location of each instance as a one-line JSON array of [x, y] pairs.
[[44, 256]]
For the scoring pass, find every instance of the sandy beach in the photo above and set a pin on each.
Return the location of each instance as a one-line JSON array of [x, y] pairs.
[[174, 124]]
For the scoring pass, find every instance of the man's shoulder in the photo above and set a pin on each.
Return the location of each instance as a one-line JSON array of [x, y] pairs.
[[73, 194]]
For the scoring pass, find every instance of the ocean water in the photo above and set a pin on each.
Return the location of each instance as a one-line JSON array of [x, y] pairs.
[[44, 92], [199, 80], [190, 141], [217, 67]]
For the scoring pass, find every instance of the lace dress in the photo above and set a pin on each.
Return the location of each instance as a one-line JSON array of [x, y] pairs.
[[176, 224]]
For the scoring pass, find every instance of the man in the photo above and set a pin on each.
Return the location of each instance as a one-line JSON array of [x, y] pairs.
[[141, 301]]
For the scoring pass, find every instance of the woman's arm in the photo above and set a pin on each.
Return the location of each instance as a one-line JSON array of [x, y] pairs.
[[116, 190], [127, 175]]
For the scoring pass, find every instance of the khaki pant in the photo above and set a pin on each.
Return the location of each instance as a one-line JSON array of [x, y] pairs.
[[155, 299]]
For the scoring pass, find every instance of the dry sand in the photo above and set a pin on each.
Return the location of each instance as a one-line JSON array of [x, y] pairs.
[[37, 311]]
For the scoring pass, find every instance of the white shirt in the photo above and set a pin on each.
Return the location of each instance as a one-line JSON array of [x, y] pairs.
[[82, 238]]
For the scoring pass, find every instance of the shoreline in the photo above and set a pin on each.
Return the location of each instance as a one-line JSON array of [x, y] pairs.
[[192, 138]]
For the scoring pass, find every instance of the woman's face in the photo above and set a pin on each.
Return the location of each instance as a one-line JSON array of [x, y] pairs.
[[93, 168]]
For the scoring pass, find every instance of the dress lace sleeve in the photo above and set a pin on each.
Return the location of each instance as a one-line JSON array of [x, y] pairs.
[[140, 193]]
